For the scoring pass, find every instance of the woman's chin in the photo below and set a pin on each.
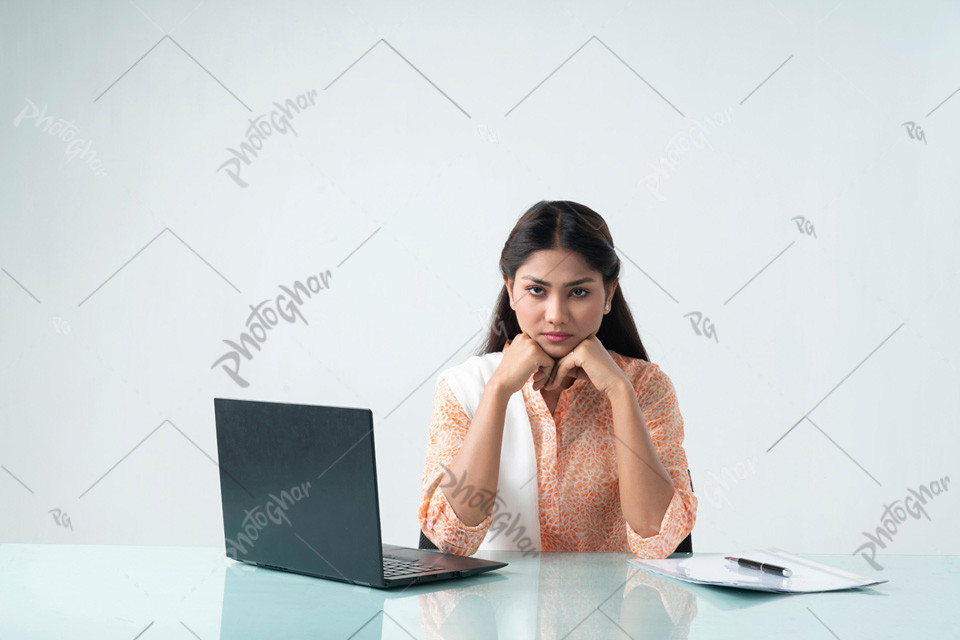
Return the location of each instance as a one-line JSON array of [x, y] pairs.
[[559, 349]]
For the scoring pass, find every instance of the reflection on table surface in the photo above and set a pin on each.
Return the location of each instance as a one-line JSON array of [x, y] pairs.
[[547, 597], [79, 591]]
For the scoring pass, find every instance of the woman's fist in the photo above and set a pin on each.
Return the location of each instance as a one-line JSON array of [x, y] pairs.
[[522, 356]]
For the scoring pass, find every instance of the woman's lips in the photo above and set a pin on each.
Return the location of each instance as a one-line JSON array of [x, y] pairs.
[[556, 337]]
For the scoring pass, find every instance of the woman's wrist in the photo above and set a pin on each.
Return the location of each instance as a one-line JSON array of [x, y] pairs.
[[621, 390], [496, 388]]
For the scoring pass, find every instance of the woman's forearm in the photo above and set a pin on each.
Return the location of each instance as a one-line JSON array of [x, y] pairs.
[[646, 487], [476, 468]]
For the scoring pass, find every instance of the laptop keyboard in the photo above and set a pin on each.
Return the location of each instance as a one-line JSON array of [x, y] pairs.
[[393, 567]]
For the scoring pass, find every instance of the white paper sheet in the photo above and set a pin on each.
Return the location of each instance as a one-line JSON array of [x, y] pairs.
[[808, 576]]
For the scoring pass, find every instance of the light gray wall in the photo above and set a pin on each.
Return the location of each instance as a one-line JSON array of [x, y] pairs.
[[751, 158]]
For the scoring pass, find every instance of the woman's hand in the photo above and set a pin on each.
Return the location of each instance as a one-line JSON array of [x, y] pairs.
[[522, 356], [590, 361]]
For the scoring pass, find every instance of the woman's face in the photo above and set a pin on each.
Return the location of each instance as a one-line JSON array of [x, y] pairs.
[[556, 291]]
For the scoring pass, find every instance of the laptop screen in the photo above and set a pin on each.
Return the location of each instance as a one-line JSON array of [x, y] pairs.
[[299, 488]]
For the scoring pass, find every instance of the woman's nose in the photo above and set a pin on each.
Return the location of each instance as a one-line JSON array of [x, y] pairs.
[[556, 311]]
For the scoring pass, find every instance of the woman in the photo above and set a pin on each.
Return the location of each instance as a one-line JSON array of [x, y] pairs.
[[588, 456]]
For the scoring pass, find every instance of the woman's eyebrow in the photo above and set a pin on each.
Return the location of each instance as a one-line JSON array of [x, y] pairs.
[[547, 284]]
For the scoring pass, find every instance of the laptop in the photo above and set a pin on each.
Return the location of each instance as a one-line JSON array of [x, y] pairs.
[[298, 485]]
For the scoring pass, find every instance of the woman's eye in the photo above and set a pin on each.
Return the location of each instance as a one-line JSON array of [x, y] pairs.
[[584, 295]]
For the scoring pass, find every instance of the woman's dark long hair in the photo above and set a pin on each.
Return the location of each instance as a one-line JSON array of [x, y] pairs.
[[561, 224]]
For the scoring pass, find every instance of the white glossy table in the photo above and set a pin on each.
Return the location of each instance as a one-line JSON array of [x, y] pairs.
[[127, 592]]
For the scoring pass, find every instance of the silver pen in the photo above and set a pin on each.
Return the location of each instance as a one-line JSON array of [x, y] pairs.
[[761, 566]]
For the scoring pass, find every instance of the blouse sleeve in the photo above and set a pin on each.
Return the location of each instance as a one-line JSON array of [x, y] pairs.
[[661, 412], [438, 520]]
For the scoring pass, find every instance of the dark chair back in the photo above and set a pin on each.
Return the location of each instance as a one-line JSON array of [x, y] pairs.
[[685, 546]]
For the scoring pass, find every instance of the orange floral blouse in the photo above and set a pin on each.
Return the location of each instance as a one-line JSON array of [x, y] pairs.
[[577, 475]]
